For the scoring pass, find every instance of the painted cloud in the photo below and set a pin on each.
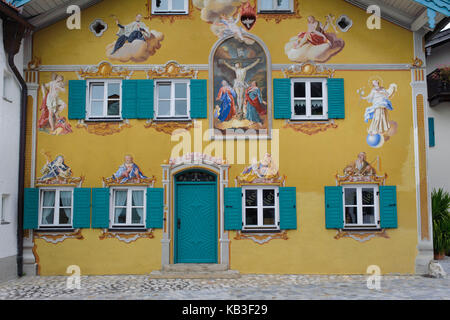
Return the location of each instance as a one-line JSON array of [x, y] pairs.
[[212, 10]]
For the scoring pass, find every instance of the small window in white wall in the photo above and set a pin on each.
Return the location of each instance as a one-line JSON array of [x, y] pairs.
[[309, 99], [128, 207], [3, 209], [56, 207], [172, 99], [170, 6], [260, 208], [361, 205], [8, 86], [104, 100], [275, 6]]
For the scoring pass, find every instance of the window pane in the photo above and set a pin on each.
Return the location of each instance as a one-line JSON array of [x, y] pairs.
[[299, 90], [350, 196], [164, 90], [178, 5], [113, 108], [251, 198], [300, 107], [49, 199], [181, 107], [136, 215], [97, 108], [97, 91], [47, 216], [64, 215], [180, 90], [137, 199], [268, 198], [251, 216], [269, 216], [351, 215], [113, 90], [120, 215], [316, 89], [368, 215], [65, 199], [367, 196], [164, 108], [121, 198], [162, 4], [283, 4], [316, 107], [266, 4]]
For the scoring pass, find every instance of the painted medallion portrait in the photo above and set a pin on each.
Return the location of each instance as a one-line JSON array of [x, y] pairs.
[[240, 87]]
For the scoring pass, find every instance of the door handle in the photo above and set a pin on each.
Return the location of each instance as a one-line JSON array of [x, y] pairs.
[[178, 223]]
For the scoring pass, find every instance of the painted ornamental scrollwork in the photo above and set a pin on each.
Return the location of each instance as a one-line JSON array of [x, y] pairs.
[[311, 128], [126, 237], [104, 70], [171, 70], [308, 70], [261, 238]]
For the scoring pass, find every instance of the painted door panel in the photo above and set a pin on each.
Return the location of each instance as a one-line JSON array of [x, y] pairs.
[[196, 223]]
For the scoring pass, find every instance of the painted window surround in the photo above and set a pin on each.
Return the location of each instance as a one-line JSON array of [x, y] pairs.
[[128, 224], [275, 7], [104, 117], [376, 205], [308, 98], [169, 9], [260, 225], [56, 207], [172, 116]]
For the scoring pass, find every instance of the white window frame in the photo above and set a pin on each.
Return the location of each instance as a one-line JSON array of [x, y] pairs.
[[128, 223], [169, 8], [56, 208], [260, 226], [3, 206], [275, 9], [308, 99], [172, 115], [359, 206], [105, 116]]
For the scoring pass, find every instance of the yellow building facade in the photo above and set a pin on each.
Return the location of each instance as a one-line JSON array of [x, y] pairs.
[[289, 140]]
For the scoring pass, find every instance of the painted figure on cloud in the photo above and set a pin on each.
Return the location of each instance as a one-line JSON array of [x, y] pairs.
[[136, 30], [52, 105], [55, 169], [128, 171], [227, 107], [315, 34], [255, 106]]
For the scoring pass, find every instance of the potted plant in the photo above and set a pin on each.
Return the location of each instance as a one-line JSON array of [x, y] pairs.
[[440, 203]]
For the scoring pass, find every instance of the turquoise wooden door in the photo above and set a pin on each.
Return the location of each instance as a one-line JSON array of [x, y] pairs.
[[195, 222]]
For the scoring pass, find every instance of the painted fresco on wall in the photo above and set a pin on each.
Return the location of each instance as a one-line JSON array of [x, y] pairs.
[[264, 171], [56, 172], [135, 42], [361, 170], [381, 129], [128, 172], [317, 43], [52, 105], [240, 86]]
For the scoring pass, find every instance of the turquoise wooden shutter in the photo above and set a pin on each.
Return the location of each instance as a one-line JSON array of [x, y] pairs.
[[288, 208], [336, 98], [82, 208], [77, 99], [31, 208], [334, 208], [431, 136], [282, 98], [199, 103], [388, 206], [155, 208], [233, 208], [129, 99], [145, 99], [100, 208]]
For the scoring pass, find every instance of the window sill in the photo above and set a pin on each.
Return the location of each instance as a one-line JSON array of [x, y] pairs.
[[276, 11], [41, 230], [172, 120], [127, 230], [261, 231], [104, 120], [359, 229], [162, 13], [310, 120], [4, 222]]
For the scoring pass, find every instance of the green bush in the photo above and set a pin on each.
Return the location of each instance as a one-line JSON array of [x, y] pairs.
[[440, 204]]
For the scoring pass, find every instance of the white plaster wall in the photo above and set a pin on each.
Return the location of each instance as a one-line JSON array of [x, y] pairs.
[[9, 146], [439, 156]]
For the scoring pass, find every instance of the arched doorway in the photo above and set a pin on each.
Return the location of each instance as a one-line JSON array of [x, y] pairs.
[[195, 216]]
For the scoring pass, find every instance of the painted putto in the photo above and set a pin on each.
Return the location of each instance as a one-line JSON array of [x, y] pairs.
[[381, 128], [264, 171], [135, 42], [316, 43], [51, 120]]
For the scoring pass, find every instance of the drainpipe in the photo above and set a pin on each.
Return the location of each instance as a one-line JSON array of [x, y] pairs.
[[13, 33]]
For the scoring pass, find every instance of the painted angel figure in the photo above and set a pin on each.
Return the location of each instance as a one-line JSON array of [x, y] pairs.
[[54, 104], [227, 26], [378, 111]]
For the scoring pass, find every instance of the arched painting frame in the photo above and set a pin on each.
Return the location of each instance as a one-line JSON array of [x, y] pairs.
[[224, 56]]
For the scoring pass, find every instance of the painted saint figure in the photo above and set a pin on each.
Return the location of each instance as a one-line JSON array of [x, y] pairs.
[[128, 171], [136, 30], [360, 167], [265, 169], [315, 34], [227, 107], [52, 105], [239, 82], [378, 111], [254, 103], [55, 169]]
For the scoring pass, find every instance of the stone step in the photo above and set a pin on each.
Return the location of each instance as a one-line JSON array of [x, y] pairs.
[[194, 267], [228, 274]]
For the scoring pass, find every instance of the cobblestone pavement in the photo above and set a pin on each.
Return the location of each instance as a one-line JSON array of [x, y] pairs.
[[248, 287]]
